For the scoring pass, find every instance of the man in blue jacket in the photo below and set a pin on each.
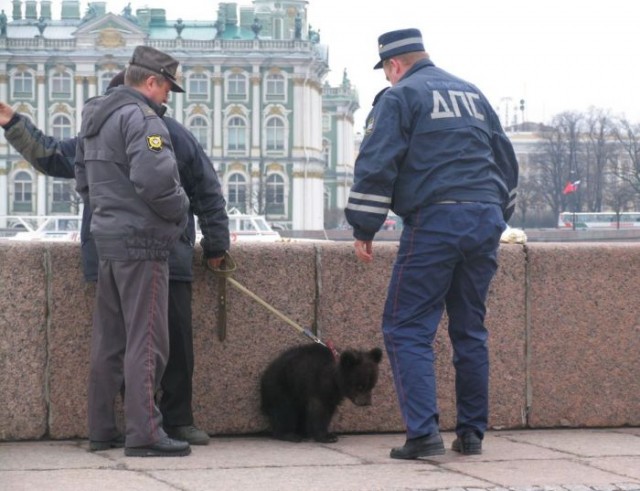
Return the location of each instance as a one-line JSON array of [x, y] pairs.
[[56, 158], [434, 152]]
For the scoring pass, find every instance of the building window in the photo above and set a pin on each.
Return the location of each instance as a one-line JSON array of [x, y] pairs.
[[275, 195], [61, 85], [237, 192], [22, 192], [105, 80], [275, 134], [326, 153], [200, 129], [23, 85], [237, 87], [236, 135], [61, 127], [326, 123], [198, 87], [62, 195], [275, 88]]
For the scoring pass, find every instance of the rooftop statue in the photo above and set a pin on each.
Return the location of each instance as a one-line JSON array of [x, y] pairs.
[[126, 13], [3, 24], [179, 26], [90, 14], [41, 25], [256, 27]]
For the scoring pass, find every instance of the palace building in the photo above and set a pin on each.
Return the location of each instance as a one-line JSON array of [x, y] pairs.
[[279, 136]]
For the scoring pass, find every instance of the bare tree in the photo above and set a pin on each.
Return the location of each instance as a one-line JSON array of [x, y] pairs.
[[628, 170], [528, 196], [599, 151], [559, 162], [620, 194], [602, 152]]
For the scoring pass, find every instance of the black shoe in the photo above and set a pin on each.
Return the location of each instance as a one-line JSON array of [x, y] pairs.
[[468, 444], [188, 433], [97, 446], [165, 447], [423, 446]]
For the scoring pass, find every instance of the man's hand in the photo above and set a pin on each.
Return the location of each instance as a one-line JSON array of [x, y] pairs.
[[364, 250], [6, 113]]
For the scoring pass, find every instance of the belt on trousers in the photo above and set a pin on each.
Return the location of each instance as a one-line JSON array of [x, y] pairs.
[[452, 202]]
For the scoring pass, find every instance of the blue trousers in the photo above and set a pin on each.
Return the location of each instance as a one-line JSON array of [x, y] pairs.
[[447, 257]]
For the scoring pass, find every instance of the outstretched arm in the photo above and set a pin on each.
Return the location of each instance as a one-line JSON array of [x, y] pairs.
[[47, 154]]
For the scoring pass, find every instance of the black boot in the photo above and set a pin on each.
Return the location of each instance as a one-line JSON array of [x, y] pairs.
[[468, 444], [423, 446], [165, 447]]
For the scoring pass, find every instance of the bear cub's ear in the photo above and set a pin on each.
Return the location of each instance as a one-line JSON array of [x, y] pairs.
[[351, 358], [376, 354]]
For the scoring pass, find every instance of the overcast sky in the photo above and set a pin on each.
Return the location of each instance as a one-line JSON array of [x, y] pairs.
[[557, 55]]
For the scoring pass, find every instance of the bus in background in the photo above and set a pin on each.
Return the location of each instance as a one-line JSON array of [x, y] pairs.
[[604, 219]]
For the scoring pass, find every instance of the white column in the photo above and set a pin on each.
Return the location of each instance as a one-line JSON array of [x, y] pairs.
[[79, 80], [4, 188], [4, 78], [4, 96], [315, 128], [314, 196], [93, 86], [217, 112], [300, 112], [255, 187], [179, 112], [299, 201], [256, 116], [41, 181]]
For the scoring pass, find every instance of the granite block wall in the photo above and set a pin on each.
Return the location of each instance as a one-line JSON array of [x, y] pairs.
[[23, 341], [563, 320], [584, 351]]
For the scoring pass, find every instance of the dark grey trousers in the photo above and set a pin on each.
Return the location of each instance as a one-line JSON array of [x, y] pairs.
[[130, 345]]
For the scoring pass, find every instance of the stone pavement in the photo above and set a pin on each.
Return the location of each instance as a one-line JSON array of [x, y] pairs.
[[527, 460]]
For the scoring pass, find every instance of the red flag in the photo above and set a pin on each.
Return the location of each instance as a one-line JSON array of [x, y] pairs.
[[571, 187]]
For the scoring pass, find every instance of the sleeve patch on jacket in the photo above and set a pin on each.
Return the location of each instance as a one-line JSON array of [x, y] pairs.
[[154, 142], [370, 125]]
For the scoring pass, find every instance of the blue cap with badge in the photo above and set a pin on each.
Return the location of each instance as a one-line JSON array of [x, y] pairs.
[[395, 43]]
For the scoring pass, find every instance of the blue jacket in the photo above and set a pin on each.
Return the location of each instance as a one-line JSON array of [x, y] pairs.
[[431, 137], [56, 158]]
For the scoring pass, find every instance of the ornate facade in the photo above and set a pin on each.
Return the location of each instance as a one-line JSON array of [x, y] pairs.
[[279, 137]]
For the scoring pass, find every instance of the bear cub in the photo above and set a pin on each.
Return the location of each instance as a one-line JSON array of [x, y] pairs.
[[301, 389]]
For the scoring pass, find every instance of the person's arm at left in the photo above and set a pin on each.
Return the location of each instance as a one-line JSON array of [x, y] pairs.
[[49, 155]]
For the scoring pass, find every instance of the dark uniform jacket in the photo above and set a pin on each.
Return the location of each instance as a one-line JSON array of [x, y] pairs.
[[431, 137], [56, 158], [127, 173]]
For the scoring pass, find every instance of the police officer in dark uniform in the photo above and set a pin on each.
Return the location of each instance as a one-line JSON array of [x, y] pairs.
[[56, 158], [434, 152], [127, 173]]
